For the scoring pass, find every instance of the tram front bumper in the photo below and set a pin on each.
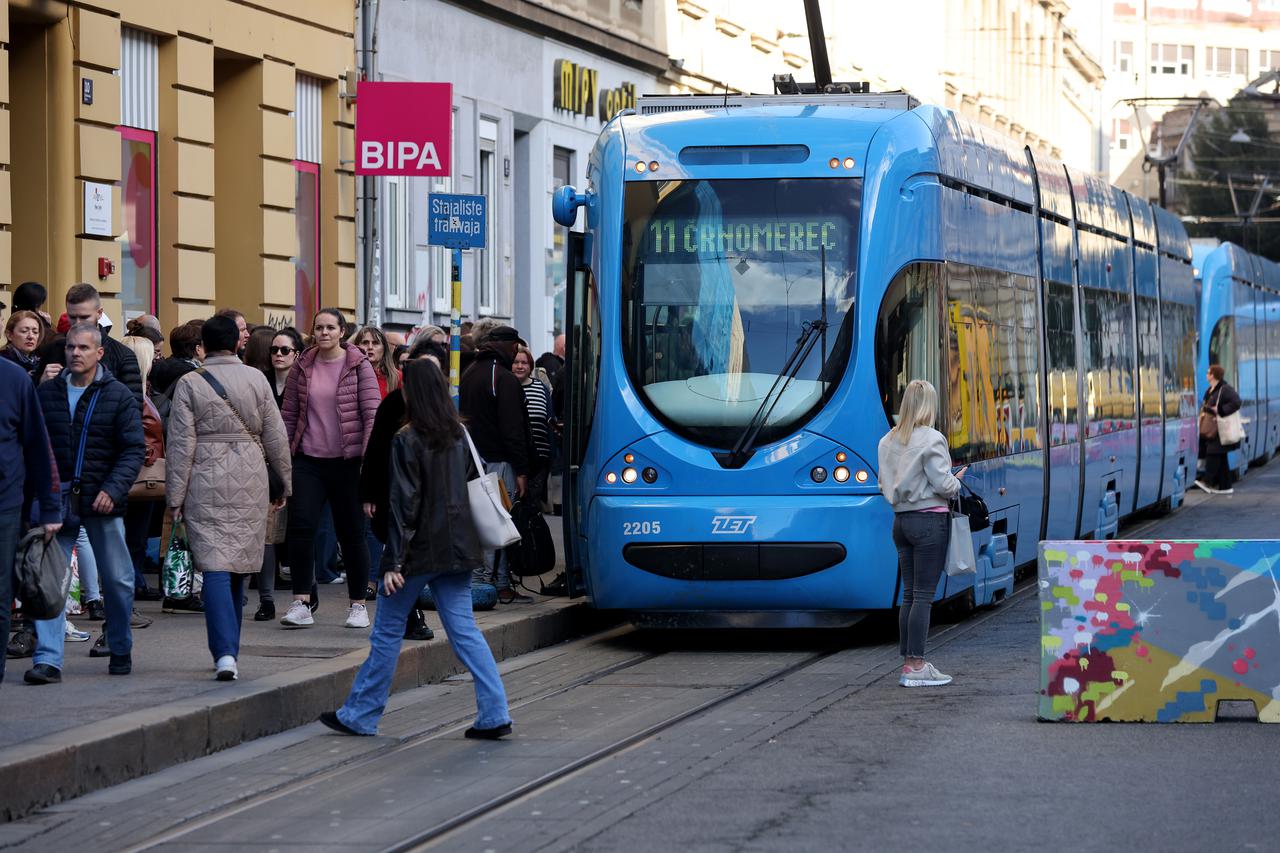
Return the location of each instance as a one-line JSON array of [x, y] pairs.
[[811, 552]]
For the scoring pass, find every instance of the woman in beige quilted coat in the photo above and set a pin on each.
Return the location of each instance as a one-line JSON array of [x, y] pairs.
[[223, 421]]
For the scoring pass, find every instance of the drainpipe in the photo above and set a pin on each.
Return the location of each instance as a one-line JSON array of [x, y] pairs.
[[368, 287]]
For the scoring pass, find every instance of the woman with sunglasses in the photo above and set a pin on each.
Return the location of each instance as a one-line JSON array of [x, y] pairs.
[[281, 353]]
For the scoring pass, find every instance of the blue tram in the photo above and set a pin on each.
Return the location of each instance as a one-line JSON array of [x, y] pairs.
[[1240, 323], [755, 286]]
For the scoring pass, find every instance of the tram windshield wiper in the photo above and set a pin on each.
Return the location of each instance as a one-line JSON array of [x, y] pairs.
[[812, 332]]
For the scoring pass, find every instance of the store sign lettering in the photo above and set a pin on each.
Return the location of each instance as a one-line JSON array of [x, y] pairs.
[[576, 88]]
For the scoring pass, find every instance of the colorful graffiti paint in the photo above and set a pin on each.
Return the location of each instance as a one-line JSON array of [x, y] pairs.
[[1158, 631]]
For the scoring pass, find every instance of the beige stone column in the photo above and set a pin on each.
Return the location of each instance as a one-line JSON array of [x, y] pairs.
[[97, 156], [186, 177], [338, 198]]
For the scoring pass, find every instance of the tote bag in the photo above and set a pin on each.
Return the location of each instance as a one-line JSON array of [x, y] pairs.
[[494, 526], [1230, 429], [960, 559]]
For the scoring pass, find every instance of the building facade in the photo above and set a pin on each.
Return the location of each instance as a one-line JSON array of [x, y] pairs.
[[179, 156], [1012, 65], [532, 86], [1170, 50]]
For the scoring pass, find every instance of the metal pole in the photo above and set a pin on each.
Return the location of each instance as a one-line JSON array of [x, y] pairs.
[[817, 45], [1160, 167], [455, 327]]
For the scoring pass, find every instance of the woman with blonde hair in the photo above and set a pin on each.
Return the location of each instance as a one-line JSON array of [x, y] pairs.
[[916, 479]]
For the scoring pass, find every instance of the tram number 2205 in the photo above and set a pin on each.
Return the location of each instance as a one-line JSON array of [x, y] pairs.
[[641, 528]]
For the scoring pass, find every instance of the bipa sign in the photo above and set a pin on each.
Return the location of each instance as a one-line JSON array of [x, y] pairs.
[[403, 128]]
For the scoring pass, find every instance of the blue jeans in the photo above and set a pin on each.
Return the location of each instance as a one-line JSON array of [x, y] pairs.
[[115, 573], [223, 608], [10, 533], [452, 592], [87, 569]]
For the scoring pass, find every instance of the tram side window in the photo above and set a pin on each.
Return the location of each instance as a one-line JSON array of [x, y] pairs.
[[1179, 360], [1222, 347], [1060, 344], [1149, 359], [909, 335], [586, 341], [1246, 352], [1108, 339], [992, 363]]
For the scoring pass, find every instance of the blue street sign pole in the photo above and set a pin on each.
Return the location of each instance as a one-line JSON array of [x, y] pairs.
[[456, 222], [455, 327]]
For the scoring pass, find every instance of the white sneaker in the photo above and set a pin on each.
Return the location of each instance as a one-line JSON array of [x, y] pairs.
[[74, 634], [358, 616], [299, 616], [925, 676], [225, 669], [1205, 487], [341, 578]]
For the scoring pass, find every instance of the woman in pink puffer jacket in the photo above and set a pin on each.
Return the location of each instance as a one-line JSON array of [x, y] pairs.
[[329, 402]]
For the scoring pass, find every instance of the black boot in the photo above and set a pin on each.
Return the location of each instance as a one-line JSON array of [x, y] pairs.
[[416, 628]]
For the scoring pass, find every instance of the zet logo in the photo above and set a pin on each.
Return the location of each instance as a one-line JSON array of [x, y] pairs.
[[732, 523]]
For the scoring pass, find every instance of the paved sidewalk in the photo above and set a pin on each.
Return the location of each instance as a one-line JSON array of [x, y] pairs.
[[94, 730]]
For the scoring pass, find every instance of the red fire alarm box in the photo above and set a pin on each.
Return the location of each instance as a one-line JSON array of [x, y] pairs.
[[106, 268]]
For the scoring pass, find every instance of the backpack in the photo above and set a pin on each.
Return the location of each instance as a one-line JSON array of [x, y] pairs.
[[43, 575], [535, 553]]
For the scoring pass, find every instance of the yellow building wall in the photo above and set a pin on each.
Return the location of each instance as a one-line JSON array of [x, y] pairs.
[[225, 229]]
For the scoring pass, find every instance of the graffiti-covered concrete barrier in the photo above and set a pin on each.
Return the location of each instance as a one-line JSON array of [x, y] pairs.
[[1158, 631]]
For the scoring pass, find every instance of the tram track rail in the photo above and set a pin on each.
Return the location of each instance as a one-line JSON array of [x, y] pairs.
[[880, 655]]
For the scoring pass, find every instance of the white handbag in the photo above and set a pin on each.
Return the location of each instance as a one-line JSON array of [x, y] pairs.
[[494, 526], [960, 559], [1230, 429]]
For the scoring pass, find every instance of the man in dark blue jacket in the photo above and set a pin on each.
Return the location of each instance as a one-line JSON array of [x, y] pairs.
[[95, 429], [28, 476]]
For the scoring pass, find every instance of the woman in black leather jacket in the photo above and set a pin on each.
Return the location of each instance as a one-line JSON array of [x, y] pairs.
[[432, 541]]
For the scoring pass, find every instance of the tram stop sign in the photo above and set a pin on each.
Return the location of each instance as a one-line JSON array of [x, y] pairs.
[[456, 221]]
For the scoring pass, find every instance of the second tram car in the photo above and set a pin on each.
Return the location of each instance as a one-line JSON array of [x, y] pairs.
[[1240, 329], [758, 279]]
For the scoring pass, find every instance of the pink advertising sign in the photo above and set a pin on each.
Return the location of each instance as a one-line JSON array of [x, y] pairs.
[[403, 128]]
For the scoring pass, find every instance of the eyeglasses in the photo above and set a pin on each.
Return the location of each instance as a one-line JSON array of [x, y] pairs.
[[283, 350]]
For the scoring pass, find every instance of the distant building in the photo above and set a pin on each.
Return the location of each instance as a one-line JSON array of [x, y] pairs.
[[1013, 66], [1171, 49]]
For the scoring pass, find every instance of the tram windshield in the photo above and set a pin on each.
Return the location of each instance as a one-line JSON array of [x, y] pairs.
[[720, 279]]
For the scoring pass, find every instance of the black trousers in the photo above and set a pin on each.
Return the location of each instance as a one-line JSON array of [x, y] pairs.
[[1217, 471], [314, 482]]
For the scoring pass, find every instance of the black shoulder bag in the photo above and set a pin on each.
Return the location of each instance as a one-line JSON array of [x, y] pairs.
[[275, 483], [973, 507]]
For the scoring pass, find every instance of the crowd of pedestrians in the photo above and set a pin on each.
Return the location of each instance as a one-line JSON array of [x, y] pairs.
[[242, 449]]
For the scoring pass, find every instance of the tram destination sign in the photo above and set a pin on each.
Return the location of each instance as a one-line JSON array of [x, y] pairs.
[[456, 221], [682, 236]]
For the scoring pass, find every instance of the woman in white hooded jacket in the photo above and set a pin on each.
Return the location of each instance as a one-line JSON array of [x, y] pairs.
[[916, 479]]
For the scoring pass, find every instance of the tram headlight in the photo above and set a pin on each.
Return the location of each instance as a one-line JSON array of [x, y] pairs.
[[861, 476], [649, 475], [841, 474], [848, 162], [818, 474], [628, 475], [653, 165], [629, 458], [834, 163], [841, 456], [611, 478], [640, 167]]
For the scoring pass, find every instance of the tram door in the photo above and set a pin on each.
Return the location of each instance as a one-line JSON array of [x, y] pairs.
[[577, 408]]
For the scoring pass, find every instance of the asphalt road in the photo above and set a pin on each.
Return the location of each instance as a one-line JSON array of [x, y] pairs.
[[742, 742]]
